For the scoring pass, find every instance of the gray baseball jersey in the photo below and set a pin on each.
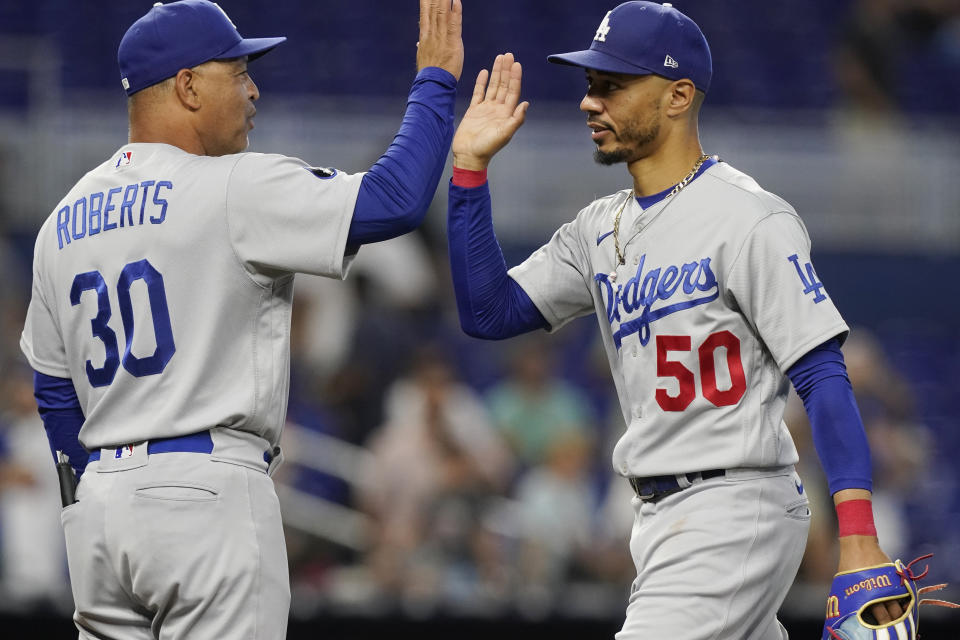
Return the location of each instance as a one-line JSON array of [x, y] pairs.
[[162, 286], [717, 299]]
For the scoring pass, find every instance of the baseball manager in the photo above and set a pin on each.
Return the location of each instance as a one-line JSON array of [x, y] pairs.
[[160, 317]]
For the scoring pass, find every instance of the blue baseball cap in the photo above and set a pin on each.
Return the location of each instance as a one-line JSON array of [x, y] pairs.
[[181, 35], [642, 38]]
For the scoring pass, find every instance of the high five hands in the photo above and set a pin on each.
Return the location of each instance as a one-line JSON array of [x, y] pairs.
[[493, 117], [441, 41]]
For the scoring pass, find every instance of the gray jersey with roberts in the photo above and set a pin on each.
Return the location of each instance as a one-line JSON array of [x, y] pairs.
[[716, 300], [163, 283]]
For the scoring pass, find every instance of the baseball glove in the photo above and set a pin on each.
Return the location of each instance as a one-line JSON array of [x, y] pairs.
[[854, 592]]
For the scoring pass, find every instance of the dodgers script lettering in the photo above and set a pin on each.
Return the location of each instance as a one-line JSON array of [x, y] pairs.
[[645, 289]]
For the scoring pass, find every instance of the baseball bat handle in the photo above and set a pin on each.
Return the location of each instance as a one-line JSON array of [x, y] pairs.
[[68, 480]]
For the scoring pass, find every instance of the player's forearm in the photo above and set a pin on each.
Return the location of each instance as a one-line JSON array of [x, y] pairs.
[[821, 381], [859, 546], [397, 191], [62, 418], [490, 303]]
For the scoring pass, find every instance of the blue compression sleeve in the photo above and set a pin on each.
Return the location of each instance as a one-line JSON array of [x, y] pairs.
[[491, 304], [820, 378], [62, 418], [398, 189]]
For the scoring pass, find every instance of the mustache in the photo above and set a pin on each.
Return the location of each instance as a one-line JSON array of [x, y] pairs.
[[599, 123]]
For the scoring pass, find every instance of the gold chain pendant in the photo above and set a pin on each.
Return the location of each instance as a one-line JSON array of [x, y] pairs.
[[621, 259]]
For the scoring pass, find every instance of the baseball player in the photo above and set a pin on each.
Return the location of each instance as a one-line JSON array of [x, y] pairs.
[[708, 304], [160, 317]]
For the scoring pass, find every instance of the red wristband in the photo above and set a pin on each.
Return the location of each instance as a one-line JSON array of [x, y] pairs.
[[469, 178], [856, 518]]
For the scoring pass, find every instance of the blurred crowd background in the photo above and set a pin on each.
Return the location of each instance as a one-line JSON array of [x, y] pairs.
[[430, 473]]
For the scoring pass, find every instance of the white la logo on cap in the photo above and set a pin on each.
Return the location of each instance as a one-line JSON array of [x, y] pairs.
[[604, 28]]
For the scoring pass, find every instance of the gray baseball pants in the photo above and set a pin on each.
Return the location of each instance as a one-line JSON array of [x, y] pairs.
[[174, 546], [715, 561]]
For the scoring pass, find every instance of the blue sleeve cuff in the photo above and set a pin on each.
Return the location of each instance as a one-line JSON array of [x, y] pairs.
[[820, 378], [438, 75]]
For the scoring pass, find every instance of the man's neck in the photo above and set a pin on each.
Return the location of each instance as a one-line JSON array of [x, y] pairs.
[[664, 168], [176, 134]]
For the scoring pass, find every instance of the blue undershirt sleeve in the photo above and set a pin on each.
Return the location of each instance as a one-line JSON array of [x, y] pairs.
[[820, 378], [490, 303], [396, 192], [62, 418]]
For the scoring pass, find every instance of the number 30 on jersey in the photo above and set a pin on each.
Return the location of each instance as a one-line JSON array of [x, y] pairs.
[[139, 367]]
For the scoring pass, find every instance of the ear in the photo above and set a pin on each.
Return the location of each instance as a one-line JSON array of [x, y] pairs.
[[680, 98], [185, 85]]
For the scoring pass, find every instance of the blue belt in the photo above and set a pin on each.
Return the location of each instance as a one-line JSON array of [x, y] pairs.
[[193, 443], [656, 488]]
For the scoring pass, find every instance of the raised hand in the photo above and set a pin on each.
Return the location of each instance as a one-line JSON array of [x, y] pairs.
[[441, 43], [493, 117]]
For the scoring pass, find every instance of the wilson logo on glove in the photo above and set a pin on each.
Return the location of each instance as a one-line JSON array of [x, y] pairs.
[[854, 592]]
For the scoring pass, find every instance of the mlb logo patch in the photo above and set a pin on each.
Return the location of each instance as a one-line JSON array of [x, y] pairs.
[[124, 452], [124, 159]]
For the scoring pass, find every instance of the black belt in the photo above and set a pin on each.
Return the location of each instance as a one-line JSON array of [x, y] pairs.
[[656, 488]]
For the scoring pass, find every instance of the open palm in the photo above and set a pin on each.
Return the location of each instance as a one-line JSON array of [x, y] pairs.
[[493, 117]]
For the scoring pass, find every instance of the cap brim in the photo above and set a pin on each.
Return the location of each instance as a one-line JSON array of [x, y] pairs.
[[591, 59], [251, 47]]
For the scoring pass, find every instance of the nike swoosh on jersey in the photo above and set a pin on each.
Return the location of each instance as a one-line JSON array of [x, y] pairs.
[[601, 236]]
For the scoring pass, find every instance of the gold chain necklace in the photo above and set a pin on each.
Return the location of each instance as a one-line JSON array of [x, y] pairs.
[[621, 259]]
